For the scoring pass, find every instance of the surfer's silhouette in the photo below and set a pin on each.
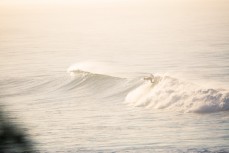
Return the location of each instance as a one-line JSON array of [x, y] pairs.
[[150, 78]]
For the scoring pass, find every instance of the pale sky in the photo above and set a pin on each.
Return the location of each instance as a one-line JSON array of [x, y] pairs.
[[53, 1], [22, 2]]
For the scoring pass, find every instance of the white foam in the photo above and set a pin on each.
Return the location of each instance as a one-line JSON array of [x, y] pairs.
[[176, 95]]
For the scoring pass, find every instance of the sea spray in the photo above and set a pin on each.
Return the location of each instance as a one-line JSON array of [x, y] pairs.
[[176, 95]]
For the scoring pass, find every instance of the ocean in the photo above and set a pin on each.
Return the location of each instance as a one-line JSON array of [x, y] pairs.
[[72, 75]]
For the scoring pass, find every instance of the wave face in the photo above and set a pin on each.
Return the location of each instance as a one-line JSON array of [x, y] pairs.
[[166, 93], [105, 86]]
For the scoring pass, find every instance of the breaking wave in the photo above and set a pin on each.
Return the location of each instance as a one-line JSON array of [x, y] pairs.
[[166, 93]]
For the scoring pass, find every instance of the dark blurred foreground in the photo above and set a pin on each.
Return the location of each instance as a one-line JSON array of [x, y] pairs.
[[12, 138]]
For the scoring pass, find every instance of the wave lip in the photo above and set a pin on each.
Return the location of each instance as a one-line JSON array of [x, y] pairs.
[[172, 94], [92, 67]]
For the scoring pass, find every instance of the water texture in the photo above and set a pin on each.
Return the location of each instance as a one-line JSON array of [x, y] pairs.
[[72, 76]]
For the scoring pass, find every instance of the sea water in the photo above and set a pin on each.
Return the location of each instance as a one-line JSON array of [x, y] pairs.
[[72, 75]]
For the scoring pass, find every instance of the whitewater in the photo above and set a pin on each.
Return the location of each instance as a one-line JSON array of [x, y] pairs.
[[72, 76]]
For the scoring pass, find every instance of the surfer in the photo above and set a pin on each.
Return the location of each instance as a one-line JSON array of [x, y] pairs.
[[150, 78]]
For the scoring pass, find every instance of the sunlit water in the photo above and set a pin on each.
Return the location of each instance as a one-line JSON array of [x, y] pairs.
[[72, 76]]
